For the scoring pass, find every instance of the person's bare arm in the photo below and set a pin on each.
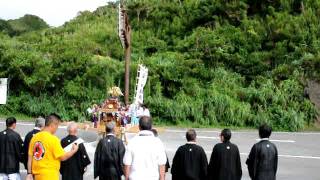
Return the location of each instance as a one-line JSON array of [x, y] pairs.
[[29, 168], [127, 169], [162, 172], [69, 154]]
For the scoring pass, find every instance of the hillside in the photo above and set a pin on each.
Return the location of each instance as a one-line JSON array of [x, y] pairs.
[[27, 23], [229, 63]]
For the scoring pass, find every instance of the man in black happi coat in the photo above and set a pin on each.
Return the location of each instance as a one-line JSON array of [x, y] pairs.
[[263, 158], [74, 167], [39, 124], [10, 151], [108, 158], [190, 161], [225, 163]]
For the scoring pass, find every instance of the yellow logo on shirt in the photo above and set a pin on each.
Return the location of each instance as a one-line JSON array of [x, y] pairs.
[[38, 151]]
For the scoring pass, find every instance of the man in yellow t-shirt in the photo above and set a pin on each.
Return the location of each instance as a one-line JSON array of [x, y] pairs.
[[45, 152]]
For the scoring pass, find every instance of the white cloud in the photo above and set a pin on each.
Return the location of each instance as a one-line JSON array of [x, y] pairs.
[[54, 12]]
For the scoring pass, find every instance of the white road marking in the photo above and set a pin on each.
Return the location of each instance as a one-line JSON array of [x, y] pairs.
[[280, 155], [290, 156], [302, 157], [90, 147], [23, 124], [272, 140], [32, 124], [199, 130], [206, 137], [89, 172], [276, 140], [241, 132]]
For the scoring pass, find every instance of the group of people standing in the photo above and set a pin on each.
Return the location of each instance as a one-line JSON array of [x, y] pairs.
[[190, 160], [145, 157], [46, 157], [129, 114], [41, 152]]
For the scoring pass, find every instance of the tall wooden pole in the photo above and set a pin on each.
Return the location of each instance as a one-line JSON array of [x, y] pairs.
[[125, 39], [127, 58], [127, 52]]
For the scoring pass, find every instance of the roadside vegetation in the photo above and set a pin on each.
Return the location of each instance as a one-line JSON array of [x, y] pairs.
[[211, 63]]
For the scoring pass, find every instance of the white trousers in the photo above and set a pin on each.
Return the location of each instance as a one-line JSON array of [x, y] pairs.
[[15, 176]]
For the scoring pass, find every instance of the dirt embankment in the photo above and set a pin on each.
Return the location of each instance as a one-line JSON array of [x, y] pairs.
[[314, 94]]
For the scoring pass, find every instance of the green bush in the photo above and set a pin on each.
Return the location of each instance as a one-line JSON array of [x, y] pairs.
[[211, 63]]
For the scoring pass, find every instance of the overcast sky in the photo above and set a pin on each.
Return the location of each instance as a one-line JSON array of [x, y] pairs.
[[54, 12]]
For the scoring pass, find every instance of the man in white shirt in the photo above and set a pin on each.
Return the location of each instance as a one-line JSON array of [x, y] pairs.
[[146, 111], [143, 111], [145, 157]]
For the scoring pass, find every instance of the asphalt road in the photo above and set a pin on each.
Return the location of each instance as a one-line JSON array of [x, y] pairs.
[[299, 153]]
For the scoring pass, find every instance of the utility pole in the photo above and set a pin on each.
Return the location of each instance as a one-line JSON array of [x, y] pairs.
[[125, 39]]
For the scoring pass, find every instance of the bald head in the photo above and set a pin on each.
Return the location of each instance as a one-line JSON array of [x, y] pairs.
[[72, 129]]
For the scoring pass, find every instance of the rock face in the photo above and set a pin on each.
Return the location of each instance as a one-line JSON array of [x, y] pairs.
[[314, 94]]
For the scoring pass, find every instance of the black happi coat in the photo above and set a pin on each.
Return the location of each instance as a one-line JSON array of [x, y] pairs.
[[225, 163], [73, 168], [108, 158], [10, 151], [263, 161], [189, 163], [26, 144], [167, 166]]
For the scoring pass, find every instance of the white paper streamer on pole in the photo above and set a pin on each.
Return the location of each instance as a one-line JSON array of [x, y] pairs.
[[3, 90], [142, 80]]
